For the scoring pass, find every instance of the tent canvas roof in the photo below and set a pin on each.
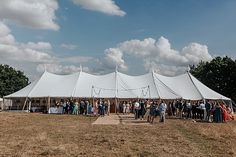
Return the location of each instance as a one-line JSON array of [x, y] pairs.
[[118, 85], [188, 87]]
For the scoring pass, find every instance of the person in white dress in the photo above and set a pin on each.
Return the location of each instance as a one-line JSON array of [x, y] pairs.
[[108, 107], [127, 108], [124, 107]]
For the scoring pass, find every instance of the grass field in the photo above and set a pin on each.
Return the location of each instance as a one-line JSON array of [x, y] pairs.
[[23, 134]]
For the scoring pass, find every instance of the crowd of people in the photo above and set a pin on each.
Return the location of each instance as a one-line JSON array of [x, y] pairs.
[[210, 111], [144, 109], [85, 107]]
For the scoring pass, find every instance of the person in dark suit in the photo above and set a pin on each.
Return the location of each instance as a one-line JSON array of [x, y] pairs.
[[142, 109], [218, 114], [208, 110]]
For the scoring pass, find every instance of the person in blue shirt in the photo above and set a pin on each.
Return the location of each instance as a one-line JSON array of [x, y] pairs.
[[162, 109], [152, 112]]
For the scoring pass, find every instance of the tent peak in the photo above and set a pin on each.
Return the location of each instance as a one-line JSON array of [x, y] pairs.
[[116, 70], [81, 68], [188, 69], [45, 68]]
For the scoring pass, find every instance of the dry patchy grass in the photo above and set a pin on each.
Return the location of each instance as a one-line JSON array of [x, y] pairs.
[[23, 134]]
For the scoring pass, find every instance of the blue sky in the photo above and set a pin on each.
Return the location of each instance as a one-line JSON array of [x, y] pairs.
[[102, 38]]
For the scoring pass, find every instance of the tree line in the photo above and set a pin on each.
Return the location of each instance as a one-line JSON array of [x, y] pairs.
[[218, 74], [11, 80]]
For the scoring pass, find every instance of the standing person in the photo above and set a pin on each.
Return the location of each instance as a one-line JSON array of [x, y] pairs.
[[225, 116], [177, 108], [213, 108], [71, 106], [218, 114], [203, 111], [185, 109], [86, 107], [108, 107], [198, 109], [173, 108], [67, 107], [102, 109], [180, 107], [194, 110], [208, 110], [95, 108], [163, 108], [136, 109], [64, 107], [120, 107], [75, 109], [82, 106], [127, 110], [142, 109], [157, 112], [229, 113], [90, 108], [124, 107], [147, 114], [152, 112], [169, 109], [189, 109]]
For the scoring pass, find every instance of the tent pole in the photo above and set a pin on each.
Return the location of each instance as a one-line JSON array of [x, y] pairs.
[[115, 105], [204, 101], [29, 105], [3, 104], [149, 92], [92, 89], [231, 106], [24, 103], [93, 103], [48, 105]]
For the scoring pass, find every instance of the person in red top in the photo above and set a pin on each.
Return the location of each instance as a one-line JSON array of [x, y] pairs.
[[229, 111], [225, 114]]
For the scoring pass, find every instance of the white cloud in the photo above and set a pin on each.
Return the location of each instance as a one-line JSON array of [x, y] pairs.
[[60, 69], [75, 59], [168, 70], [38, 46], [196, 52], [5, 36], [113, 58], [38, 14], [4, 30], [137, 47], [13, 50], [33, 57], [158, 54], [69, 46], [105, 6]]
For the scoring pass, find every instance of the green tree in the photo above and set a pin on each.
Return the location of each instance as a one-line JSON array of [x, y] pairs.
[[11, 80], [219, 74]]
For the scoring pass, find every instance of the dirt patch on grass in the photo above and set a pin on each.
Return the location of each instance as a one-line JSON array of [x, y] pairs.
[[25, 134]]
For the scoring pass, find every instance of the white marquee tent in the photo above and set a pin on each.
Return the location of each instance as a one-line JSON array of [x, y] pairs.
[[117, 85]]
